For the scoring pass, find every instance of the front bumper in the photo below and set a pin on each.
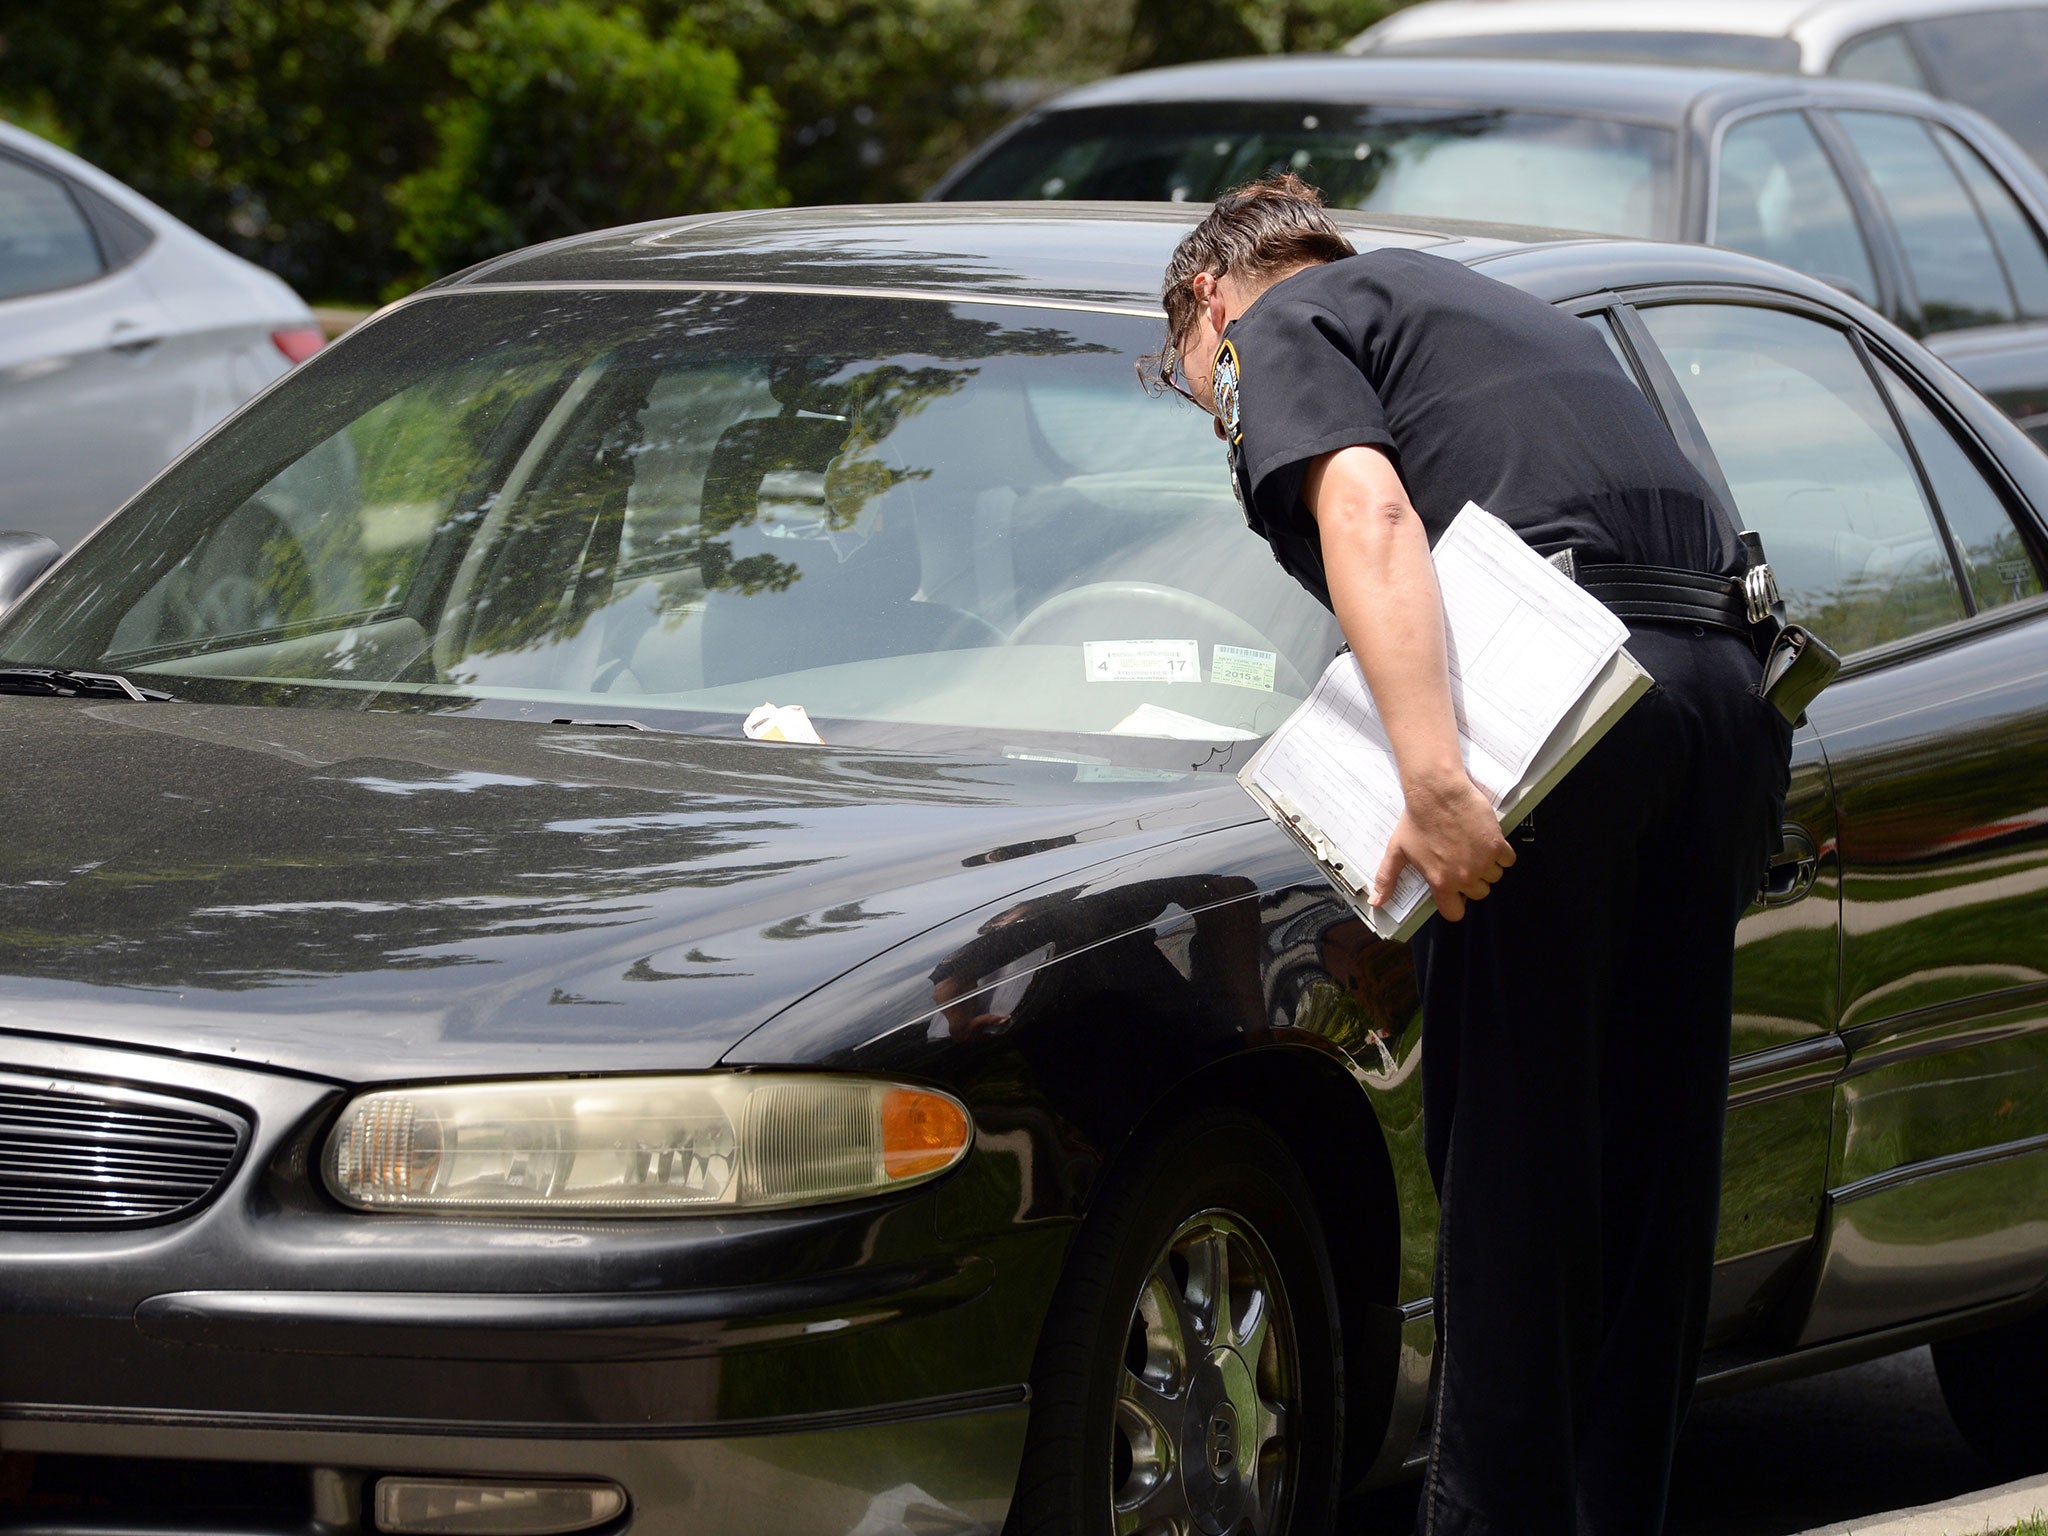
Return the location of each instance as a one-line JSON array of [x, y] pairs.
[[941, 1466], [837, 1370]]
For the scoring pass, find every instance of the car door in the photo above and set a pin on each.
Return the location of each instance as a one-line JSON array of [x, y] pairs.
[[88, 411], [1784, 1053], [1898, 537], [1962, 222]]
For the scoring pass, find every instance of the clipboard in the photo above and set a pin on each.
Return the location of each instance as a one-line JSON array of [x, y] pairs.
[[1613, 691]]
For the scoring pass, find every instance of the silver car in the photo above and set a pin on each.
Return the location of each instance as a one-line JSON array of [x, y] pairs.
[[1987, 54], [124, 335]]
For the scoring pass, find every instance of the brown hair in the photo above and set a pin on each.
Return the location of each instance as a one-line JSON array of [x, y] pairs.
[[1266, 226]]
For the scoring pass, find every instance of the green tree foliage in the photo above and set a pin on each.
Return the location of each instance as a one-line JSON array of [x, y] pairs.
[[355, 146], [572, 118], [272, 126], [1182, 31]]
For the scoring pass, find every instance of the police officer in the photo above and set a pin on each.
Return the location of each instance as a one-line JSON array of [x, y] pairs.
[[1576, 990]]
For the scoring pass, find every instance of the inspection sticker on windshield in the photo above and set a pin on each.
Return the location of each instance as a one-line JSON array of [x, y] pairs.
[[1142, 661], [1242, 667]]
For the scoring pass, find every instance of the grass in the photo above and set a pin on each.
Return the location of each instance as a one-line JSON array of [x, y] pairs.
[[2035, 1524]]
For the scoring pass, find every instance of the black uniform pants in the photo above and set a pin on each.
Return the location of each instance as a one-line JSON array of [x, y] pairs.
[[1575, 1077]]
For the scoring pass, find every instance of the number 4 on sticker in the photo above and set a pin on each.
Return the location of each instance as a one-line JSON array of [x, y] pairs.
[[1141, 661]]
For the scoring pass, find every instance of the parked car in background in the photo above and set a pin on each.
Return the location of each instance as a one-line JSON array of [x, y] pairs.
[[1988, 54], [1920, 208], [451, 1081], [123, 336]]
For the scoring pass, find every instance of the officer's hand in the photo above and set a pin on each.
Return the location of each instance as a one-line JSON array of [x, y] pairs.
[[1449, 833]]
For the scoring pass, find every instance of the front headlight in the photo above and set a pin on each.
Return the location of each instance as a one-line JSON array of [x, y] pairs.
[[640, 1146]]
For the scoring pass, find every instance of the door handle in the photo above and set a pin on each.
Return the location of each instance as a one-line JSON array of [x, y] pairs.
[[130, 339], [1792, 871]]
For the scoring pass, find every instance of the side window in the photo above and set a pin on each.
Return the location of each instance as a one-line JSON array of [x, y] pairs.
[[1816, 466], [45, 241], [1603, 322], [1991, 60], [1777, 196], [1881, 56], [2018, 241], [1988, 547], [1948, 249]]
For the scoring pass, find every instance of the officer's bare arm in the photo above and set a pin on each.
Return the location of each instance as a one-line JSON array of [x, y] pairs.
[[1383, 586]]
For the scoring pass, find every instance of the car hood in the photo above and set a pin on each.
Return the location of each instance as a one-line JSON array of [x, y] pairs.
[[374, 896]]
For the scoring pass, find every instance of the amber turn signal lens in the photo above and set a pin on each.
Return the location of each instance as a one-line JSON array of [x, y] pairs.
[[921, 1132]]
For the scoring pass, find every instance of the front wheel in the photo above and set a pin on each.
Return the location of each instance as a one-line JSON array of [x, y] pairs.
[[1188, 1380]]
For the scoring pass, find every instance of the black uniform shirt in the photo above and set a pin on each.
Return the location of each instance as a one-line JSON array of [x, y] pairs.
[[1479, 392]]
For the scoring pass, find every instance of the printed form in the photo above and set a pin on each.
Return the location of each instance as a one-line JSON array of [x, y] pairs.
[[1525, 644]]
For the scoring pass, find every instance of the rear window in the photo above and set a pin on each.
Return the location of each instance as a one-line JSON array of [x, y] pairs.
[[1540, 168], [1711, 50]]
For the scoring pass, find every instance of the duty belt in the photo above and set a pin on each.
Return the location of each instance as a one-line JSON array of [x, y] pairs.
[[1676, 596]]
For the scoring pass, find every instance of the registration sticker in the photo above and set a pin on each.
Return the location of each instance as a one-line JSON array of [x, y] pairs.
[[1242, 667], [1142, 661]]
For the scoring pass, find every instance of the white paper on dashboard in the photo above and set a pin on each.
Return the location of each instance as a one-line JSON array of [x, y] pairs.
[[1525, 643]]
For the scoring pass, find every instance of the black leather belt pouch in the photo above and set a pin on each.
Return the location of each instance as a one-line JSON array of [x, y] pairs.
[[1796, 668]]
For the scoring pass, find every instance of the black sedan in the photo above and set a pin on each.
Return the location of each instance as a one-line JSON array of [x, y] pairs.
[[1921, 208], [453, 1078]]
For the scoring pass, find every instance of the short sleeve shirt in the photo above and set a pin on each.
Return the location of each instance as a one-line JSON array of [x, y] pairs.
[[1477, 392]]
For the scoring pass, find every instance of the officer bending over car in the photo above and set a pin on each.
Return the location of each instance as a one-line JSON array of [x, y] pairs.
[[1576, 990]]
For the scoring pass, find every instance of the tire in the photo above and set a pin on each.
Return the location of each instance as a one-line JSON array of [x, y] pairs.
[[1996, 1386], [1153, 1414]]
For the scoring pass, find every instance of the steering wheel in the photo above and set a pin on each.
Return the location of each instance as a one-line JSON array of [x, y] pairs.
[[242, 576], [1104, 610]]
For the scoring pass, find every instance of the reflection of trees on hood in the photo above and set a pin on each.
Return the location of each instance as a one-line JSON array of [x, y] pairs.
[[409, 843]]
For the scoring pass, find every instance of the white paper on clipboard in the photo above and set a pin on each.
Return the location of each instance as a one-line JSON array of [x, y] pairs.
[[1538, 674]]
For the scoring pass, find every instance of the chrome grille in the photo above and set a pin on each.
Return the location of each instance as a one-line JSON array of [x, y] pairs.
[[84, 1155]]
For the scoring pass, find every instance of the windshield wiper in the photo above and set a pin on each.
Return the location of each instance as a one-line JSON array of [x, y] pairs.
[[65, 683]]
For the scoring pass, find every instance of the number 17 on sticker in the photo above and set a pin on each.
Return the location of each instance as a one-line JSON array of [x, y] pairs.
[[1142, 661]]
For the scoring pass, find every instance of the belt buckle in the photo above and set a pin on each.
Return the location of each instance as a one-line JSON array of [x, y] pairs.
[[1760, 592]]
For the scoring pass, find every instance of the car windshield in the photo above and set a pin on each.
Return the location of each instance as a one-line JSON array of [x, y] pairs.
[[1546, 169], [930, 524]]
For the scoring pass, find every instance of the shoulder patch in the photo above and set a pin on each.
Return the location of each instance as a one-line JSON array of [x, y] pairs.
[[1227, 380]]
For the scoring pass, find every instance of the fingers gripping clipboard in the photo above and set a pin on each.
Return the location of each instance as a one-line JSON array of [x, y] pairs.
[[1538, 675]]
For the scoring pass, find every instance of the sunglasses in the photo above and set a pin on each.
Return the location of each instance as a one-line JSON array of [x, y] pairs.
[[1174, 378]]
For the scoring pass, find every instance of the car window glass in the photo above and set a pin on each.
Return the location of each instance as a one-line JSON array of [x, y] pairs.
[[2018, 241], [921, 521], [1541, 168], [1777, 196], [1948, 250], [1991, 60], [341, 531], [45, 241], [1604, 324], [1988, 545], [1884, 57], [1816, 466]]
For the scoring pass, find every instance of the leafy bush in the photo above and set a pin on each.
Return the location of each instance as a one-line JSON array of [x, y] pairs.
[[357, 146], [574, 118]]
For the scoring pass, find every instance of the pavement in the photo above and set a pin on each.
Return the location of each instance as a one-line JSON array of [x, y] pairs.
[[1993, 1509], [1840, 1453]]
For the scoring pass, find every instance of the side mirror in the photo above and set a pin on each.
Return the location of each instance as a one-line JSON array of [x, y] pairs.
[[23, 557]]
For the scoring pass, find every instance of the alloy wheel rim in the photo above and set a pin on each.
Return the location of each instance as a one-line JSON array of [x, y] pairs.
[[1207, 1422]]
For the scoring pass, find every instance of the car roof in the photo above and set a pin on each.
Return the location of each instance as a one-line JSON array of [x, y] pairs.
[[1652, 93], [1819, 25], [1060, 254]]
